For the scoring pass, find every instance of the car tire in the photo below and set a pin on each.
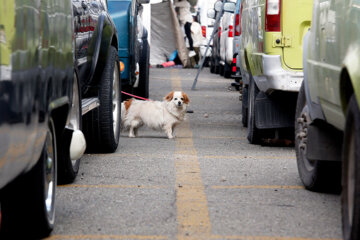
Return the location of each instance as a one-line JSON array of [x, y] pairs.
[[67, 168], [227, 71], [350, 196], [221, 70], [244, 106], [212, 67], [253, 134], [102, 125], [28, 203], [316, 175], [143, 89]]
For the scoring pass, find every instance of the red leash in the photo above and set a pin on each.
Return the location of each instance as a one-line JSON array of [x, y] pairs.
[[135, 96]]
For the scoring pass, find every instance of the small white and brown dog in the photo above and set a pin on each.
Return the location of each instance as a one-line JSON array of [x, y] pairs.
[[158, 115]]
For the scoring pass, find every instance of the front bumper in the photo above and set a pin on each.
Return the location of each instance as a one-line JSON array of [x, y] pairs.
[[277, 78]]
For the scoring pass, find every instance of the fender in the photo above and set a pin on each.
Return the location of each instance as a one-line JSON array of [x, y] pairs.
[[351, 65], [104, 39]]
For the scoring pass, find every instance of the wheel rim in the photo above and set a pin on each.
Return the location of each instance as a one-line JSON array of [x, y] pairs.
[[351, 177], [301, 135], [74, 116], [50, 177], [116, 100]]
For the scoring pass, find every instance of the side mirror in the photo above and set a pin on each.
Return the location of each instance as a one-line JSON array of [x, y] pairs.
[[218, 6], [143, 1], [229, 7], [211, 13]]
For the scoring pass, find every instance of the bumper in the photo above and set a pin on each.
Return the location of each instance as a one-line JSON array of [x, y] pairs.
[[208, 53], [276, 78]]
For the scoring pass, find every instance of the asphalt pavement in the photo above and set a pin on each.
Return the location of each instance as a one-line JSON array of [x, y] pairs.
[[207, 183]]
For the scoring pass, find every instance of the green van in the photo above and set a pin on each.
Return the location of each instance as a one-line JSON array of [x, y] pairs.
[[327, 114], [271, 54]]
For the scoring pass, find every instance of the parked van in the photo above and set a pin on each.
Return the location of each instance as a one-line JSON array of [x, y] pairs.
[[327, 113], [271, 56]]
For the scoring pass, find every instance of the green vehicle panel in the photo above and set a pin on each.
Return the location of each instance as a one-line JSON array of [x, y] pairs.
[[333, 49]]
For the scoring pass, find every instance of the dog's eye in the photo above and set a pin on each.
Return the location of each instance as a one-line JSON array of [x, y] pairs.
[[182, 99], [175, 99]]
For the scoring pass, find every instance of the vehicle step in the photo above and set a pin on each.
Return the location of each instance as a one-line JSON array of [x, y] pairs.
[[88, 104]]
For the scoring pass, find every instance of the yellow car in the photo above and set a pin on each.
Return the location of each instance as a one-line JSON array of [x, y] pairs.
[[271, 56]]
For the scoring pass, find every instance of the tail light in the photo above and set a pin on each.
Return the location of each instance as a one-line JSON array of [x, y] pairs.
[[273, 15], [231, 31], [219, 32], [234, 65], [237, 25], [203, 30]]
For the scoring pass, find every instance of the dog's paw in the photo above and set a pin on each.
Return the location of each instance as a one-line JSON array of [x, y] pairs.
[[132, 136]]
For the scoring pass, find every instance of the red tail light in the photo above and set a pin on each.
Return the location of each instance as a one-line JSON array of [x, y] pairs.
[[219, 32], [237, 25], [234, 69], [231, 31], [203, 30], [273, 16]]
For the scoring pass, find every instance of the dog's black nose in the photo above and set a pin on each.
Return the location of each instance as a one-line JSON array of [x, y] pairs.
[[179, 103]]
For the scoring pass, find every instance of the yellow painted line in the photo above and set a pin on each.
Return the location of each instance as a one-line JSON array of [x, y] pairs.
[[110, 186], [242, 157], [268, 238], [258, 187], [151, 237], [135, 156], [215, 137], [192, 210], [212, 80], [219, 124]]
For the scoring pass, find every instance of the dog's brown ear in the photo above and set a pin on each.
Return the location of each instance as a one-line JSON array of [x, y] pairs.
[[186, 98], [127, 104], [169, 96]]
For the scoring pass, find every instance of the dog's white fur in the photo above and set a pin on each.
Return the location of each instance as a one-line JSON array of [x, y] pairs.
[[158, 115]]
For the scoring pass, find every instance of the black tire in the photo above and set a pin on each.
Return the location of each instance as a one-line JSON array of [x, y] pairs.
[[227, 71], [221, 70], [24, 201], [253, 134], [350, 197], [318, 175], [212, 67], [143, 89], [67, 168], [102, 125], [244, 106]]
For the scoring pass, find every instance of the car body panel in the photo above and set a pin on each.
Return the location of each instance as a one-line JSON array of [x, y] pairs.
[[36, 73], [132, 33], [334, 48], [297, 23], [226, 42], [258, 47], [94, 32]]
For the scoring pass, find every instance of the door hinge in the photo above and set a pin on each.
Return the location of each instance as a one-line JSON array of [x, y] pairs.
[[282, 41]]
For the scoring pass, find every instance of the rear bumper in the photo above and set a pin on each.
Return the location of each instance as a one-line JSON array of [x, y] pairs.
[[277, 78]]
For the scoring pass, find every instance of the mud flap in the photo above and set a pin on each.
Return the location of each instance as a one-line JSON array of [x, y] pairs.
[[275, 111]]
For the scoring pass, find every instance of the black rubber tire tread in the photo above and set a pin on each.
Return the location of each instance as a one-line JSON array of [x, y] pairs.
[[23, 208], [253, 134], [244, 107], [325, 175], [352, 129], [98, 124], [143, 89], [227, 71], [66, 171]]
